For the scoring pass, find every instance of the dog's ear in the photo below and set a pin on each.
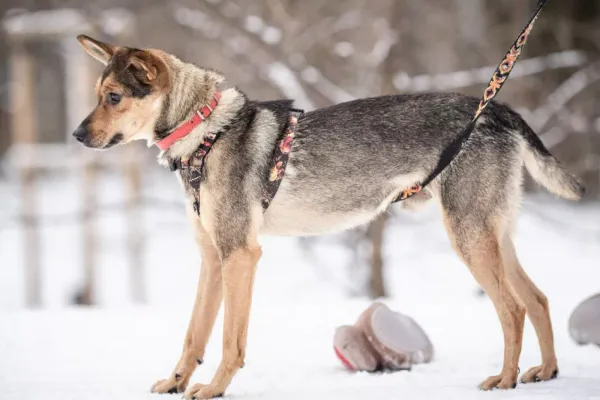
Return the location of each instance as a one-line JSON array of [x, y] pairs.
[[149, 68], [102, 52]]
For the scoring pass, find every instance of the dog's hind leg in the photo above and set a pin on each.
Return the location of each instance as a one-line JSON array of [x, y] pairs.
[[478, 246], [209, 297], [536, 305]]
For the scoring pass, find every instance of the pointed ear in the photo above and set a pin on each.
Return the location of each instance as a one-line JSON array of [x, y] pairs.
[[149, 68], [102, 52]]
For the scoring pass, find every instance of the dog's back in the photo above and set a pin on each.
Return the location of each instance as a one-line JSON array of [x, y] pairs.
[[349, 160]]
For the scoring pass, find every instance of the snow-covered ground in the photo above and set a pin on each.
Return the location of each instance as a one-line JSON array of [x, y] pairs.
[[118, 350]]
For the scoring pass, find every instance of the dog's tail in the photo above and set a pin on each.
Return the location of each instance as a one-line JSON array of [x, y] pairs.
[[547, 170]]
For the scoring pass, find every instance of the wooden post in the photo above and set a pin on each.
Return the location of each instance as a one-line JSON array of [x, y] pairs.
[[86, 295], [24, 127], [24, 133], [375, 235], [135, 233], [31, 237]]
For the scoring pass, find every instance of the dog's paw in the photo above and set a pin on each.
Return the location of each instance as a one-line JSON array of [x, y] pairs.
[[540, 373], [499, 382], [199, 392], [174, 384]]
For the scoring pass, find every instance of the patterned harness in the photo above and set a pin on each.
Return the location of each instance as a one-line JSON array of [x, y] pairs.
[[192, 167]]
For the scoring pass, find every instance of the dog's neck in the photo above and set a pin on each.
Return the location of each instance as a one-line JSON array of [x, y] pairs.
[[193, 88]]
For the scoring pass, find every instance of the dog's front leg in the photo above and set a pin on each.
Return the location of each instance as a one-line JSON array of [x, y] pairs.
[[238, 279], [209, 296]]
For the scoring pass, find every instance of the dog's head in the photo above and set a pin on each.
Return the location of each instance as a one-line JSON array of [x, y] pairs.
[[130, 94]]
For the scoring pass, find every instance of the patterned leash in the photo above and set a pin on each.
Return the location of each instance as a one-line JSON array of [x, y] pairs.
[[498, 79]]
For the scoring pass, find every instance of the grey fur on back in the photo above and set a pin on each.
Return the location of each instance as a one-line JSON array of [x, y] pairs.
[[351, 158]]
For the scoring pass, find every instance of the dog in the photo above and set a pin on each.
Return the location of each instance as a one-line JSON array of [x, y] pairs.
[[347, 163]]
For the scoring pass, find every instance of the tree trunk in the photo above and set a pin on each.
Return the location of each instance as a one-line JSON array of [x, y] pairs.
[[86, 295], [375, 233]]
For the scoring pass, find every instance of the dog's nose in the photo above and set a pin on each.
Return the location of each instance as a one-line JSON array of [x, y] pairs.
[[81, 133]]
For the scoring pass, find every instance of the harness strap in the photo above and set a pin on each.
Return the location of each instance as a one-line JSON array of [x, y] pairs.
[[192, 168], [280, 157], [498, 79]]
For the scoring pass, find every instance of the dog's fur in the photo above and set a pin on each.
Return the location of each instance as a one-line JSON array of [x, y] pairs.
[[347, 163]]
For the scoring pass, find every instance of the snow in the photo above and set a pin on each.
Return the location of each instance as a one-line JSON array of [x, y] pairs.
[[324, 86], [254, 24], [117, 350], [344, 49], [311, 74], [116, 21], [269, 34], [284, 78], [272, 35], [195, 19]]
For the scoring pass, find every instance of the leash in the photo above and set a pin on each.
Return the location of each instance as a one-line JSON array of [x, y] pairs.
[[498, 79]]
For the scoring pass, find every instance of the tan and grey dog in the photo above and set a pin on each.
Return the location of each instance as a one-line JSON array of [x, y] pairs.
[[346, 165]]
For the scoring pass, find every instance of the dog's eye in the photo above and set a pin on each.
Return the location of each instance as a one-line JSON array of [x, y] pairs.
[[114, 98]]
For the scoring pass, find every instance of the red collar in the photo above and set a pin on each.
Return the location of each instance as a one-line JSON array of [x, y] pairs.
[[189, 126]]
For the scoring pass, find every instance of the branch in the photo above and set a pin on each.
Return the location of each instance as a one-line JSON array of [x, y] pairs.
[[461, 79], [211, 25], [311, 75], [574, 85], [286, 80]]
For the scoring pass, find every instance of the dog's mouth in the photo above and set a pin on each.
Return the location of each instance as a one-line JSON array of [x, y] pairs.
[[115, 140], [118, 138]]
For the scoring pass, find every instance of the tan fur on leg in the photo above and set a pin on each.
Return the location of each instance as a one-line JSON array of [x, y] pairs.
[[481, 252], [208, 301], [536, 305], [238, 279]]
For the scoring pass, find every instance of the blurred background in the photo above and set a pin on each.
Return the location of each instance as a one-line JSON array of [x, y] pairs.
[[80, 227]]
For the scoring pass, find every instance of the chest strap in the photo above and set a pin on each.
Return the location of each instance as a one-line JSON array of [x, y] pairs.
[[191, 168]]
